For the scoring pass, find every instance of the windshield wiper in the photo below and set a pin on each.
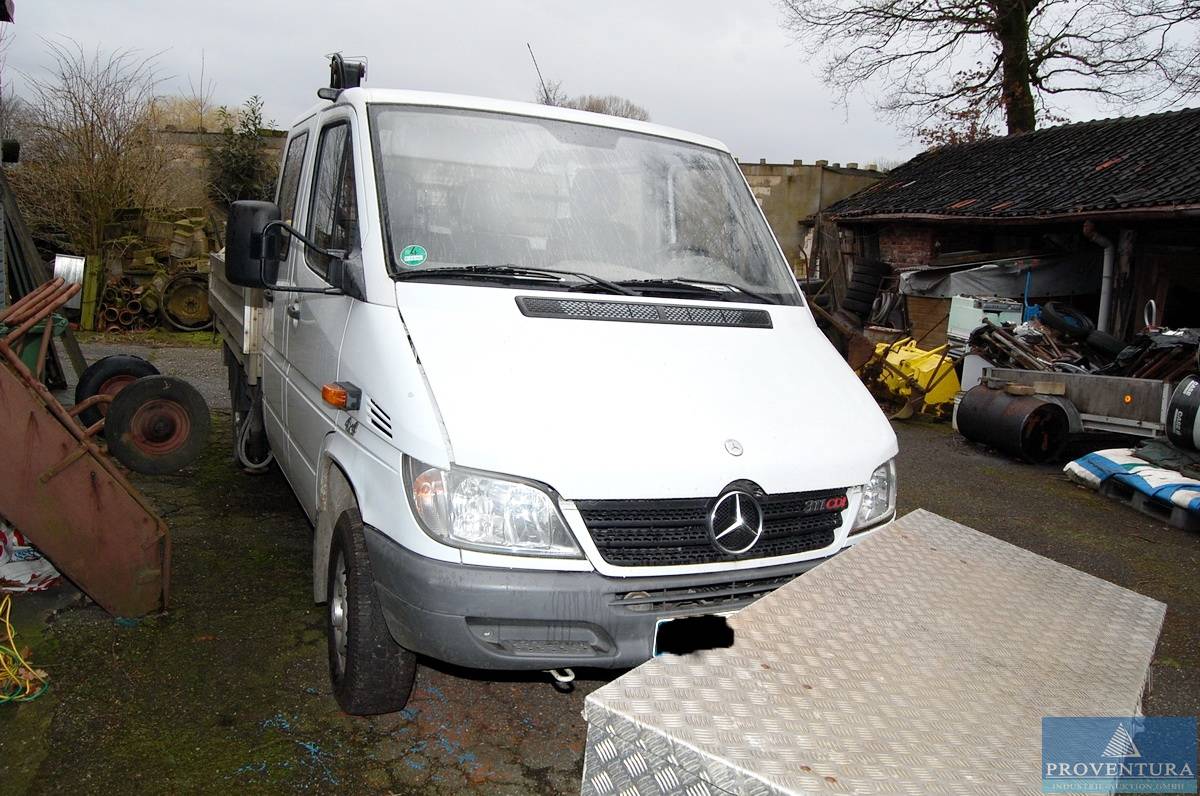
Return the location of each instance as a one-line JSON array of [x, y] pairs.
[[519, 272], [698, 287]]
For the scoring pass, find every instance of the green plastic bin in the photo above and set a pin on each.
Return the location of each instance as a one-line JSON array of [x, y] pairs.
[[33, 338]]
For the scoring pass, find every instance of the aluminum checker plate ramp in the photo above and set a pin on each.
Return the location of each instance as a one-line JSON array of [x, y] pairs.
[[919, 661]]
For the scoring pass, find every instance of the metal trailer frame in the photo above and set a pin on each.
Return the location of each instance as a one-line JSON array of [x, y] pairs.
[[1115, 404], [920, 661], [62, 491]]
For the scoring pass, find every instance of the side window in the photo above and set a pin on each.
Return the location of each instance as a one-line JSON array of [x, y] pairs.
[[289, 187], [333, 214]]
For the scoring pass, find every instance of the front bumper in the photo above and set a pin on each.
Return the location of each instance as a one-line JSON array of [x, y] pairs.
[[492, 618]]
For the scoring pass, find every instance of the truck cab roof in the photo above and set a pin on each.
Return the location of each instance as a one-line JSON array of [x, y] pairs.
[[361, 97]]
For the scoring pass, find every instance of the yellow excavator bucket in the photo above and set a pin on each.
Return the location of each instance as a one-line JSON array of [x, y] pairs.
[[917, 378]]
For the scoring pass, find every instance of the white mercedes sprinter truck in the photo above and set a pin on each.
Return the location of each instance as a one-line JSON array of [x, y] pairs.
[[541, 379]]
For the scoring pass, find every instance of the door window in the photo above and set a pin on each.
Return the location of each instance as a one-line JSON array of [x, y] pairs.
[[289, 187], [333, 214]]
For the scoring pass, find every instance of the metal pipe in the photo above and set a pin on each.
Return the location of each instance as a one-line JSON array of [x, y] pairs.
[[1106, 278], [28, 300]]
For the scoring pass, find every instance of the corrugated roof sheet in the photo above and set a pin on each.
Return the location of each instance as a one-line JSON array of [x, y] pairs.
[[1110, 164]]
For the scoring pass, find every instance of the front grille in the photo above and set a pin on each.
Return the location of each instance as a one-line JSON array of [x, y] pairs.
[[659, 533], [634, 312], [711, 597]]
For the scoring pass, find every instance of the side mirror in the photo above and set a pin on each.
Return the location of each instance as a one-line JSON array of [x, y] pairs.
[[251, 258]]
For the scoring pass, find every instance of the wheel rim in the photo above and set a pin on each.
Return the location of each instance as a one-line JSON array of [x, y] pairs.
[[159, 427], [339, 619], [112, 387], [185, 303]]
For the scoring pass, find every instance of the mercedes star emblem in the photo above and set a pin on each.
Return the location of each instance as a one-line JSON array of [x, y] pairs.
[[733, 447], [735, 523]]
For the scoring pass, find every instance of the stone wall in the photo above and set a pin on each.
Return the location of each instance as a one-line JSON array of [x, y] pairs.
[[792, 193], [189, 167]]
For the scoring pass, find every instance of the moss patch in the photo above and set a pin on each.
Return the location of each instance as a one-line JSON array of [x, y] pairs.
[[157, 337]]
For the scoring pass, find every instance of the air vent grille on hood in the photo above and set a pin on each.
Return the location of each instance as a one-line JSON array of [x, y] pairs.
[[630, 312]]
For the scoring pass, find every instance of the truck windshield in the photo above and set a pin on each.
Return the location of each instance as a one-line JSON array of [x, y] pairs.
[[463, 188]]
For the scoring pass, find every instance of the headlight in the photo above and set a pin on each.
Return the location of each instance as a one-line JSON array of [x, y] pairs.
[[878, 497], [477, 511]]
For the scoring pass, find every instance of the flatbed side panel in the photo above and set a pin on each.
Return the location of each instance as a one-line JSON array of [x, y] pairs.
[[1101, 395], [921, 660]]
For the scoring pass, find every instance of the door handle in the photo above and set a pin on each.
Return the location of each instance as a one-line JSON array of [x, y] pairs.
[[293, 311]]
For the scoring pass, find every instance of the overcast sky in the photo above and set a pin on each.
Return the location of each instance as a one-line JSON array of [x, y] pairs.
[[723, 68], [718, 67]]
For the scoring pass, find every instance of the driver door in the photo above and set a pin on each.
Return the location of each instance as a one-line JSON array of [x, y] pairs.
[[274, 333], [316, 321]]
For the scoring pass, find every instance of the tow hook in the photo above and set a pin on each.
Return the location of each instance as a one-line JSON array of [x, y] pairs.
[[564, 679]]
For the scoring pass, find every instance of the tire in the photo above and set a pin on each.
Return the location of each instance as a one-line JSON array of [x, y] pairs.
[[876, 268], [108, 376], [157, 425], [1104, 344], [857, 308], [1066, 319], [864, 286], [370, 672], [861, 294]]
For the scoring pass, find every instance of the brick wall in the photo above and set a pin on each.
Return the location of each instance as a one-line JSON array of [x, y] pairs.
[[906, 244]]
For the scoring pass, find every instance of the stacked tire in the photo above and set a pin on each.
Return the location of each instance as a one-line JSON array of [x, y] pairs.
[[865, 282], [1075, 325]]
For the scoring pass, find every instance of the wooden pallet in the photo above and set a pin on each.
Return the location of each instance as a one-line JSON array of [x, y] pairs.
[[1160, 510]]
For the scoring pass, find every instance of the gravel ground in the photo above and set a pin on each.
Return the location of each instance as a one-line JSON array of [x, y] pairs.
[[200, 366], [229, 688]]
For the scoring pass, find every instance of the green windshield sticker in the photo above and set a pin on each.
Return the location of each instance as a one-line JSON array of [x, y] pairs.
[[414, 255]]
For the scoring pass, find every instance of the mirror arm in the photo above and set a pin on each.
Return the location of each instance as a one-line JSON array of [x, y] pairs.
[[295, 233], [288, 228]]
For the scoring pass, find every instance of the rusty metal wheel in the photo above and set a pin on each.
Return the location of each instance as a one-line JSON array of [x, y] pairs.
[[185, 303], [157, 425], [108, 376]]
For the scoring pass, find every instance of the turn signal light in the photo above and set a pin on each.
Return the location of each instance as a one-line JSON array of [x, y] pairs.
[[341, 394]]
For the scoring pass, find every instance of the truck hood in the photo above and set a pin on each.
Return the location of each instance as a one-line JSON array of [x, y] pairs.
[[602, 409]]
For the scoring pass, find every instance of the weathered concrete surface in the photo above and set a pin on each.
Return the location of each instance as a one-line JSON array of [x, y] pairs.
[[229, 689]]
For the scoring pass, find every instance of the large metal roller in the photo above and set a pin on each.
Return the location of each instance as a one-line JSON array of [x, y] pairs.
[[1024, 426]]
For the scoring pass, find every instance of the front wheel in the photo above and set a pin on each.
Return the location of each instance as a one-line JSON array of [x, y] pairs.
[[371, 673]]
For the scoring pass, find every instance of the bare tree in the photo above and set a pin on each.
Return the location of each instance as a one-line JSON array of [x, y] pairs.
[[201, 95], [9, 105], [1006, 58], [90, 147], [958, 126], [552, 94], [610, 104]]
